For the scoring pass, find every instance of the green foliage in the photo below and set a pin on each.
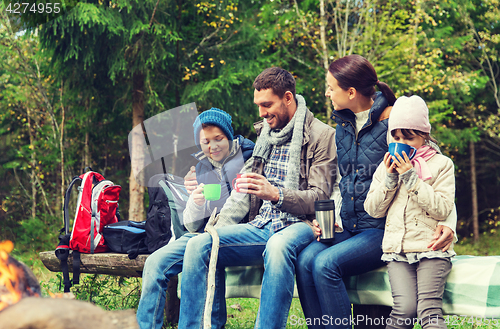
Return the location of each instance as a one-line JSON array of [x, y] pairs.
[[53, 285], [36, 234], [488, 245], [34, 13], [109, 292]]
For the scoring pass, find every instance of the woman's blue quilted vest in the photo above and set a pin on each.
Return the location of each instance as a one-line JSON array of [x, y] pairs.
[[358, 159]]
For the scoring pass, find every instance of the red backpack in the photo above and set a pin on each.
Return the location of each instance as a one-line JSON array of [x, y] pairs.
[[96, 207]]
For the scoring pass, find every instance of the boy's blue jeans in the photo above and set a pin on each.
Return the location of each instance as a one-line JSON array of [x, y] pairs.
[[321, 268], [242, 245], [160, 266]]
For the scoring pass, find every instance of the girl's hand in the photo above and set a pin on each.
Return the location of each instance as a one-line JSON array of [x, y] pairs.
[[198, 196], [389, 167], [403, 164]]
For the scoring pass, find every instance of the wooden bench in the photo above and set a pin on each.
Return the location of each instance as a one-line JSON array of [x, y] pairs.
[[119, 265], [472, 289]]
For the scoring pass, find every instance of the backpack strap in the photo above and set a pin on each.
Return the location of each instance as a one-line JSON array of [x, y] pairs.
[[62, 250], [133, 253], [76, 267], [92, 224], [62, 253], [66, 203]]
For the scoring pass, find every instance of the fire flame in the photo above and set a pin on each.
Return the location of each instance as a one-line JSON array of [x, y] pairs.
[[9, 277]]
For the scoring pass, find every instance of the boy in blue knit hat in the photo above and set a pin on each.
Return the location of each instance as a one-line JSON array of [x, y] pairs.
[[220, 158], [213, 117], [218, 164]]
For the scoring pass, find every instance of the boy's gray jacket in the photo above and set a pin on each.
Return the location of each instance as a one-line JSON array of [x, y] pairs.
[[317, 176], [412, 215]]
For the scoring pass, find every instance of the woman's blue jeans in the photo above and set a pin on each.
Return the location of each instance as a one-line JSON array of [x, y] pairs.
[[160, 266], [242, 245], [321, 268]]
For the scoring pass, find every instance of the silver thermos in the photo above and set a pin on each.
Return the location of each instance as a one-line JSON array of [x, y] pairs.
[[325, 215]]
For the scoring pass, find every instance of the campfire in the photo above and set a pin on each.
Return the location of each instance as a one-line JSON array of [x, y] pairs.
[[16, 280], [21, 304]]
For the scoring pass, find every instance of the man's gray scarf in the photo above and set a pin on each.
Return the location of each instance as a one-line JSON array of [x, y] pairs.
[[269, 138]]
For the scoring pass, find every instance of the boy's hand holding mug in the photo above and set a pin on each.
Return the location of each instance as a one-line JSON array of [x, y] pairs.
[[198, 196]]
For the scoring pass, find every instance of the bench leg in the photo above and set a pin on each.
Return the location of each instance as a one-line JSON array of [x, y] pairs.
[[370, 316], [172, 304]]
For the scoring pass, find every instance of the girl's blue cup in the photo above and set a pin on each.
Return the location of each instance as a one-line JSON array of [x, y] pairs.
[[400, 147]]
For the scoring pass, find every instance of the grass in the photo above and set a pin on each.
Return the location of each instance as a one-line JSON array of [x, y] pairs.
[[488, 245], [116, 293], [242, 313], [245, 318]]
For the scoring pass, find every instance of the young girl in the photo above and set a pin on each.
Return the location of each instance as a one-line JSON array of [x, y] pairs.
[[361, 114], [414, 195]]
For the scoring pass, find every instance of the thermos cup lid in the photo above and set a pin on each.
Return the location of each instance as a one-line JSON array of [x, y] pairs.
[[324, 205]]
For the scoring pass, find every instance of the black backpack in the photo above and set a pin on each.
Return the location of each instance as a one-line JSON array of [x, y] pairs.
[[126, 237], [167, 201]]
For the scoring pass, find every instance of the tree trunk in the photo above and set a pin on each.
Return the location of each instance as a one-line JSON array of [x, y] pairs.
[[61, 145], [325, 57], [475, 219], [86, 161], [33, 168], [414, 48], [136, 207]]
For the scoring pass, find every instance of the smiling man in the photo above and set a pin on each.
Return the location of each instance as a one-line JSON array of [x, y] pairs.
[[292, 166]]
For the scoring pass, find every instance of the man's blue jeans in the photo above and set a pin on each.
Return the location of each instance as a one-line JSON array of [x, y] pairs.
[[242, 245], [160, 266], [321, 268]]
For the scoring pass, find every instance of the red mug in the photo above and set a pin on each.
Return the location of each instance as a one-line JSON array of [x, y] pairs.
[[234, 185]]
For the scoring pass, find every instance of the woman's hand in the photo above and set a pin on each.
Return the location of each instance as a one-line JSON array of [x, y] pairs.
[[403, 163], [442, 238], [316, 229], [198, 196]]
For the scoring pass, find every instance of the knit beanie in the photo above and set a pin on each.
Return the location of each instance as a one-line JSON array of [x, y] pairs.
[[410, 113], [215, 117]]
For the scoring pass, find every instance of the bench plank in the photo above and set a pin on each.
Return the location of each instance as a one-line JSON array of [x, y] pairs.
[[102, 263]]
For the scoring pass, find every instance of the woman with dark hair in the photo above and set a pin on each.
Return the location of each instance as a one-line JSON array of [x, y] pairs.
[[362, 116]]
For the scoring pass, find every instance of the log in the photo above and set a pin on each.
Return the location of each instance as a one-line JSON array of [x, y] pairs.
[[101, 263], [56, 313]]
